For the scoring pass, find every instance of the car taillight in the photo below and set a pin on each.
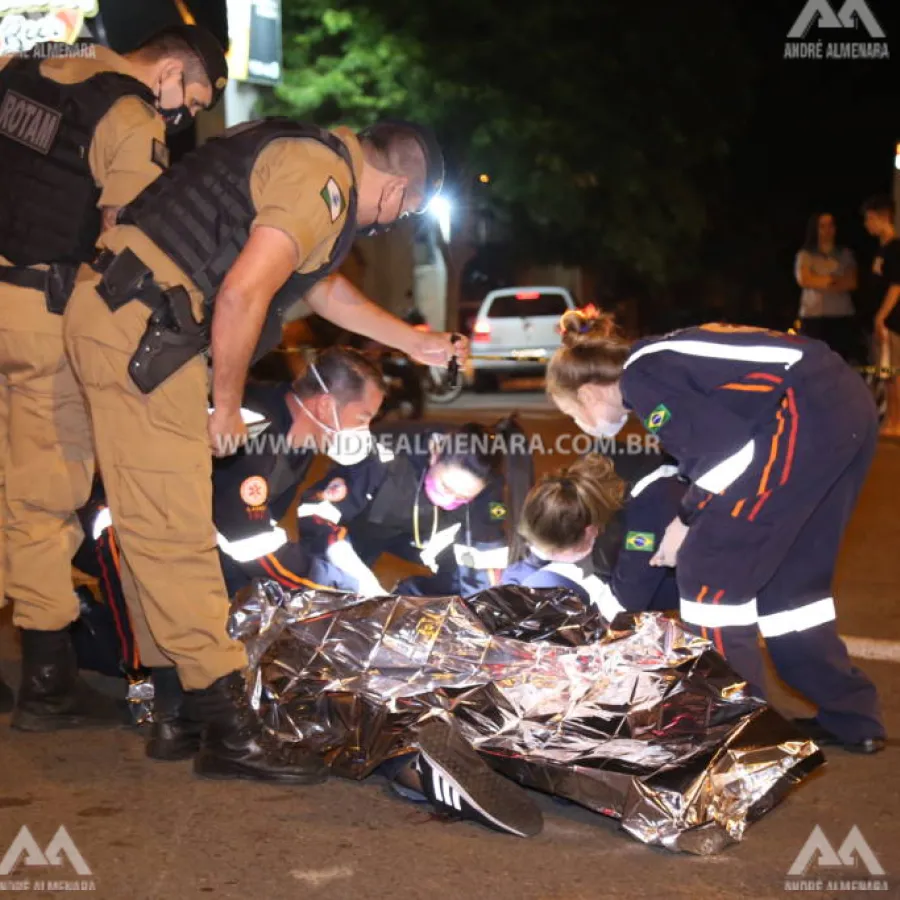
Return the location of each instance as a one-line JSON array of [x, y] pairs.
[[481, 333], [528, 295]]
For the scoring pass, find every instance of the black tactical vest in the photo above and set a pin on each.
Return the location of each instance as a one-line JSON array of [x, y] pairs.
[[49, 209], [199, 213]]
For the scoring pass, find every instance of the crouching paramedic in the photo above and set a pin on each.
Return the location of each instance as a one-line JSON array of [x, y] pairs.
[[79, 138], [776, 434], [209, 257], [436, 498], [562, 518], [252, 491]]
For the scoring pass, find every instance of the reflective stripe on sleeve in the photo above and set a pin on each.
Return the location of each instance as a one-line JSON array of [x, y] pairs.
[[655, 475], [323, 510], [787, 356], [728, 471], [438, 544], [495, 558], [248, 549], [598, 591]]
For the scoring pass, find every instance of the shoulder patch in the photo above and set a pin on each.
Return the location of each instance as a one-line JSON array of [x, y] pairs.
[[333, 198], [657, 418], [159, 154], [497, 511], [640, 540], [255, 490], [335, 490]]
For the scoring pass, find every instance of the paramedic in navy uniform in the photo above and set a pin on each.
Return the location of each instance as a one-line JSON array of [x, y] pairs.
[[776, 435], [327, 409], [431, 496]]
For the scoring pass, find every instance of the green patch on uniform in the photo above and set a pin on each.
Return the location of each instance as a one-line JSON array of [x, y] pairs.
[[657, 418], [640, 540], [159, 154], [333, 198], [497, 511]]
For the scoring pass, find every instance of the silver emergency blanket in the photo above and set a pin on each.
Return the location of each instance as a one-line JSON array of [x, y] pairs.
[[642, 721]]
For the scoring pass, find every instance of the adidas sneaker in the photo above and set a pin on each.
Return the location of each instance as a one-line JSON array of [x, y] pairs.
[[458, 782]]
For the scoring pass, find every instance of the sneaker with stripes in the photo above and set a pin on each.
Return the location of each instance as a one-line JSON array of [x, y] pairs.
[[459, 783]]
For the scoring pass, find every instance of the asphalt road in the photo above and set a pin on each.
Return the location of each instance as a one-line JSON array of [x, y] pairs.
[[150, 830]]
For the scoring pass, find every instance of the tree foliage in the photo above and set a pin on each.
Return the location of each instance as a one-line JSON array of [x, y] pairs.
[[605, 126]]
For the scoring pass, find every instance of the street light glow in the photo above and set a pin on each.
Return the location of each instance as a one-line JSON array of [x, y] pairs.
[[897, 158], [441, 208], [484, 178]]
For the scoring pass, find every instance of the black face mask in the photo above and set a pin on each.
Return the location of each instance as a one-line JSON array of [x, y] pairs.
[[177, 118]]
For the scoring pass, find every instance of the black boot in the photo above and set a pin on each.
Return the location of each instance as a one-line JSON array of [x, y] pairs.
[[51, 696], [6, 697], [235, 744], [172, 735]]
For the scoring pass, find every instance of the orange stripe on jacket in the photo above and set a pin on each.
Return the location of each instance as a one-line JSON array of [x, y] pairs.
[[273, 567], [792, 439], [763, 388], [773, 453], [766, 377]]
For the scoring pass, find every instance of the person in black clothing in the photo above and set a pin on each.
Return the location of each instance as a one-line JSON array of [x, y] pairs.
[[436, 496], [878, 213]]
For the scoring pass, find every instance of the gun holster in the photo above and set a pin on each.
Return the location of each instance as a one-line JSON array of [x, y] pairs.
[[173, 337], [125, 278], [59, 287]]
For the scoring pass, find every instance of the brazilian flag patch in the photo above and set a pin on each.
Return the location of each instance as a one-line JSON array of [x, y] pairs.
[[333, 198], [497, 511], [657, 418], [640, 540]]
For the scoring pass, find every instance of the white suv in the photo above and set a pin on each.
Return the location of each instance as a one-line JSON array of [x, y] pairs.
[[522, 319]]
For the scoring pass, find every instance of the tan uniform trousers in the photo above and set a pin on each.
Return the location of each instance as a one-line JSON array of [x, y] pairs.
[[46, 462], [154, 458]]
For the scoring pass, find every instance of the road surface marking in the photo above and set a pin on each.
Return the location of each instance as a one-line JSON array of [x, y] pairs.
[[316, 877], [873, 648]]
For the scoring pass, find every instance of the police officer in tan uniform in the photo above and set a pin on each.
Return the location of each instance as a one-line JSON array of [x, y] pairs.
[[79, 138], [209, 257]]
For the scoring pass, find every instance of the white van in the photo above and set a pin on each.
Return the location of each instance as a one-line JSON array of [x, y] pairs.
[[515, 320]]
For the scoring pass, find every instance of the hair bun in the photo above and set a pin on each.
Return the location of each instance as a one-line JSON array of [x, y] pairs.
[[578, 327]]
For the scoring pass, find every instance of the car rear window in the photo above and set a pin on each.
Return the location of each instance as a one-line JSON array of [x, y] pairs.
[[527, 304]]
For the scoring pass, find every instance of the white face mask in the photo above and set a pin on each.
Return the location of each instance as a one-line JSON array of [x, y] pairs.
[[603, 428], [346, 446]]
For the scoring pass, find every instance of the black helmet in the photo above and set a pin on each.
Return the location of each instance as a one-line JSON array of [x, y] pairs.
[[434, 158], [207, 46]]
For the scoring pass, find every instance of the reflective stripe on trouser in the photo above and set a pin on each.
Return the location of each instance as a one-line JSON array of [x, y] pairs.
[[47, 458], [153, 452], [801, 618]]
